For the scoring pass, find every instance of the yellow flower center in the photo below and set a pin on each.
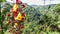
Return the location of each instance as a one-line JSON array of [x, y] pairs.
[[19, 16]]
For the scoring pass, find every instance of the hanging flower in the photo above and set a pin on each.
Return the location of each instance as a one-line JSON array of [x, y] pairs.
[[20, 17], [23, 17], [15, 7]]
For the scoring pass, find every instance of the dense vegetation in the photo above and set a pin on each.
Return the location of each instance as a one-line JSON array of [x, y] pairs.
[[46, 21]]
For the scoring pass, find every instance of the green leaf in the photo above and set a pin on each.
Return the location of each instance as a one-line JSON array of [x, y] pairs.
[[2, 0], [6, 32]]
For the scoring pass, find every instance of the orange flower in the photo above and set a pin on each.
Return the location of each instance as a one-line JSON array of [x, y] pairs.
[[15, 8], [20, 17]]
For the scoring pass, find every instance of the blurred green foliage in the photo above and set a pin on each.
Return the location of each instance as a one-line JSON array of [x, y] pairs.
[[2, 1]]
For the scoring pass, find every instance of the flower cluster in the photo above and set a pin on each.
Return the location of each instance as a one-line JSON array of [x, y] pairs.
[[16, 18]]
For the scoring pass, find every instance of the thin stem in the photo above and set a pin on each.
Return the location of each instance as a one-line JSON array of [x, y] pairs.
[[1, 22]]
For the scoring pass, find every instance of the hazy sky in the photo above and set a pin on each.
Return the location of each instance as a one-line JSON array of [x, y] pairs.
[[38, 2]]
